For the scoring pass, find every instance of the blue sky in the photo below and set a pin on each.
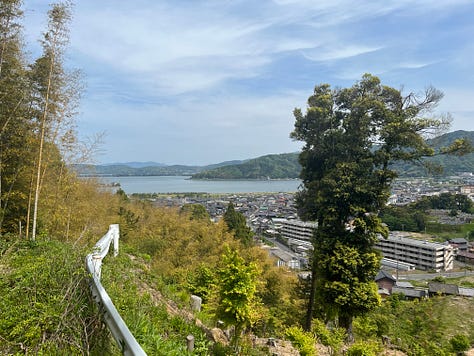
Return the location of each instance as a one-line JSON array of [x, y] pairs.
[[200, 82]]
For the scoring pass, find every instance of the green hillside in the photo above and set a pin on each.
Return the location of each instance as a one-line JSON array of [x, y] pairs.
[[123, 170], [278, 166], [47, 308], [286, 165], [451, 164]]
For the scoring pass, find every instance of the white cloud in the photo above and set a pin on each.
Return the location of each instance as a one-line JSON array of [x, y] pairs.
[[192, 131], [177, 47], [416, 65], [222, 77], [339, 52]]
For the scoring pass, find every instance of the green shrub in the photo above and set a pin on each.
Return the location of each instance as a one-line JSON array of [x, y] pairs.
[[134, 296], [332, 338], [460, 343], [364, 348], [302, 340]]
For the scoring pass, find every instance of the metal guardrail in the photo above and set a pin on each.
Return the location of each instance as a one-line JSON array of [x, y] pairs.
[[122, 335]]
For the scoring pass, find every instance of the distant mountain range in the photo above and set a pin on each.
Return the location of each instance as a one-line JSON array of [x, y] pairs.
[[144, 169], [136, 164], [276, 166]]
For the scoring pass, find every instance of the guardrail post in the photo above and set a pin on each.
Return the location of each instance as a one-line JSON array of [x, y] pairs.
[[116, 234], [190, 343], [196, 302], [97, 262]]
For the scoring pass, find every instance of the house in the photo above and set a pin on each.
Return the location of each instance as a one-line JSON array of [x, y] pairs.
[[436, 288], [410, 293], [466, 257], [404, 284], [398, 265], [424, 255], [297, 234], [466, 292], [385, 282], [460, 243]]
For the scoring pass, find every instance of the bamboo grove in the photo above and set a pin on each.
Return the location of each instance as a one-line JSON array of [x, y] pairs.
[[38, 105]]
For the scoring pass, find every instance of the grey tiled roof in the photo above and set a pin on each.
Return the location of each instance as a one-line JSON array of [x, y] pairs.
[[444, 288]]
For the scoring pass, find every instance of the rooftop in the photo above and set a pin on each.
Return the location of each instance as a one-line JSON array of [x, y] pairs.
[[414, 242]]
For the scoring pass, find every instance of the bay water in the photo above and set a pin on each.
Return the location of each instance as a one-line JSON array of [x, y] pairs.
[[182, 184]]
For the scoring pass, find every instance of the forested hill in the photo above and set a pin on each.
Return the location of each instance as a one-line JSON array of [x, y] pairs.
[[287, 166], [451, 164], [278, 166], [141, 169]]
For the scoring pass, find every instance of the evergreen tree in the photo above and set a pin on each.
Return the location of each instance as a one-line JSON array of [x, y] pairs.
[[237, 224], [351, 136], [196, 212]]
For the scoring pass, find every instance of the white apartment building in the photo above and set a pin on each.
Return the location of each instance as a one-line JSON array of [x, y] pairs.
[[423, 254], [298, 234]]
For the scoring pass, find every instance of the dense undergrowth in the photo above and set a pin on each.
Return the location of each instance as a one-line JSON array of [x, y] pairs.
[[144, 309], [420, 328], [165, 256], [45, 304]]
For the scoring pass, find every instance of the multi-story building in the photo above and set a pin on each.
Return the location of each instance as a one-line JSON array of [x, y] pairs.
[[423, 254], [297, 234]]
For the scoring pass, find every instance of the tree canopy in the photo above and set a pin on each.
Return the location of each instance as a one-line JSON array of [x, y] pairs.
[[237, 301], [237, 224], [37, 128], [351, 136]]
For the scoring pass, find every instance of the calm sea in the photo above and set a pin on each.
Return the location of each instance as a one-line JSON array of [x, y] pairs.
[[182, 184]]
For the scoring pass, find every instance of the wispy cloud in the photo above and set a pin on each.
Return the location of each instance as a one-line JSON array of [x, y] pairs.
[[163, 75], [338, 52], [416, 65], [218, 129]]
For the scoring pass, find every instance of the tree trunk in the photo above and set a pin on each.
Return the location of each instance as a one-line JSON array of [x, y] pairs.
[[312, 297], [345, 321], [40, 153], [40, 159]]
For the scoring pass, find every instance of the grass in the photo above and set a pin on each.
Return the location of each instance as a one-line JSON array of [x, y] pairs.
[[47, 309], [45, 302], [144, 309], [420, 327], [446, 232]]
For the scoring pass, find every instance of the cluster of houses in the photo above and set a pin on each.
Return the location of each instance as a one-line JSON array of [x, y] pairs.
[[409, 190], [388, 285]]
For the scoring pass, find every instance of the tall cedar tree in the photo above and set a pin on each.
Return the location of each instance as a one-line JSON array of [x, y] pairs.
[[351, 136]]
